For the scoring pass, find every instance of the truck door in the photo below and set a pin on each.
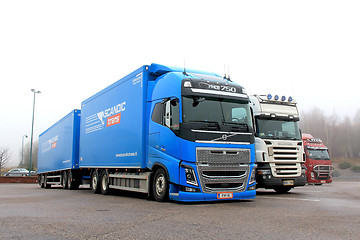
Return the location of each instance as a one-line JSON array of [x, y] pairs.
[[163, 127], [170, 143]]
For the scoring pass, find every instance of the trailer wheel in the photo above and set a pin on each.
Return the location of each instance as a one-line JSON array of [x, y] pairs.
[[71, 181], [282, 189], [64, 180], [95, 182], [41, 180], [104, 182], [46, 185], [160, 185]]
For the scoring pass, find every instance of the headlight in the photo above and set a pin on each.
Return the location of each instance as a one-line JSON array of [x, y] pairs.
[[190, 176], [187, 84], [253, 176]]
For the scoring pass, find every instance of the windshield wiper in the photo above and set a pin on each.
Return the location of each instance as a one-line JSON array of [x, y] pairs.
[[235, 123], [204, 121], [237, 126], [208, 124], [289, 138]]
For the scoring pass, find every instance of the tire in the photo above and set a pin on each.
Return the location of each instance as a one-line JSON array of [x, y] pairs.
[[71, 181], [95, 183], [160, 185], [46, 185], [104, 182], [282, 189], [64, 180], [41, 181]]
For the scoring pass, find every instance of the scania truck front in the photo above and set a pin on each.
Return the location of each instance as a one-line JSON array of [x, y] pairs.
[[318, 164], [172, 133], [279, 150]]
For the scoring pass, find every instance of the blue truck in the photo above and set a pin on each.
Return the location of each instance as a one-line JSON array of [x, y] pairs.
[[184, 135]]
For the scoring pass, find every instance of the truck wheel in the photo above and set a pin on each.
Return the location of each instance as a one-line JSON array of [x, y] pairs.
[[104, 182], [41, 180], [160, 185], [282, 189], [71, 181], [64, 180], [46, 185], [95, 182]]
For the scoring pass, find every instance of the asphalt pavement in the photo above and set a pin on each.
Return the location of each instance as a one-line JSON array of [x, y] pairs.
[[310, 212]]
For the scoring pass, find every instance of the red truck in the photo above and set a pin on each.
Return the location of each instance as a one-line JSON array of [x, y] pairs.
[[317, 161]]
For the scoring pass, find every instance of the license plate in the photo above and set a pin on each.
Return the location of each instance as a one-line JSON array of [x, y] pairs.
[[323, 181], [224, 195], [288, 182]]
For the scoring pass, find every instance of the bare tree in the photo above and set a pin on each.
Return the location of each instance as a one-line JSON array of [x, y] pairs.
[[5, 157], [26, 159], [340, 135]]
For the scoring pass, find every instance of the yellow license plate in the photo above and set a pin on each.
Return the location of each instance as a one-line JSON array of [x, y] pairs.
[[288, 182]]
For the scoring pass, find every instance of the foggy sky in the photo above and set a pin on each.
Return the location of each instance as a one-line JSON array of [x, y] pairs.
[[69, 50]]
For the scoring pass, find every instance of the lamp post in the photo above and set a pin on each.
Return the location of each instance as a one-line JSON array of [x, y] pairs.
[[22, 149], [32, 129]]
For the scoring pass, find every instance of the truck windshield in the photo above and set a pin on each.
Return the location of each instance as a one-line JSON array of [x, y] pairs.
[[216, 111], [277, 129], [318, 154]]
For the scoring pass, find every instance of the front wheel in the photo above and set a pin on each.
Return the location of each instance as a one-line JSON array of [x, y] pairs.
[[160, 185]]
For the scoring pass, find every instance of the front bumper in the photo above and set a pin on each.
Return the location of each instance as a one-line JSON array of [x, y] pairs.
[[198, 196], [269, 181]]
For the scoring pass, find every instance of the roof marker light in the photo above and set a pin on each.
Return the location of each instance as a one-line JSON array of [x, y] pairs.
[[276, 97], [283, 98], [290, 99], [269, 96]]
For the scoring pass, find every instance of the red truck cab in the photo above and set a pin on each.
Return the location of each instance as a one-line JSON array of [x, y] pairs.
[[317, 161]]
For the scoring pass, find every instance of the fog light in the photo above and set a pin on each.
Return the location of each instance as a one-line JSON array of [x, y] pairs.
[[189, 189]]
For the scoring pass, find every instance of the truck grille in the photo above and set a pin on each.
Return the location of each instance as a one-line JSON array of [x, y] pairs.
[[285, 153], [223, 169], [286, 161], [323, 171], [286, 169]]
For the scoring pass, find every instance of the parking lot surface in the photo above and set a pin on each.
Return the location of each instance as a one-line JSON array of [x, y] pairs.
[[310, 212]]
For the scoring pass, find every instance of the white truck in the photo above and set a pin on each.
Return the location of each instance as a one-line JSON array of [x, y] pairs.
[[278, 144]]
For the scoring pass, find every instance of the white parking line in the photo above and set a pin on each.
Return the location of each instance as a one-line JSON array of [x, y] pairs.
[[313, 191], [297, 199]]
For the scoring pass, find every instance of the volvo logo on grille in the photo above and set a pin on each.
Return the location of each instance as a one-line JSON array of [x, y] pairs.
[[224, 137]]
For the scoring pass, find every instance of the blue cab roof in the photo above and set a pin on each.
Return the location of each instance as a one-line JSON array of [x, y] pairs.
[[158, 69]]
